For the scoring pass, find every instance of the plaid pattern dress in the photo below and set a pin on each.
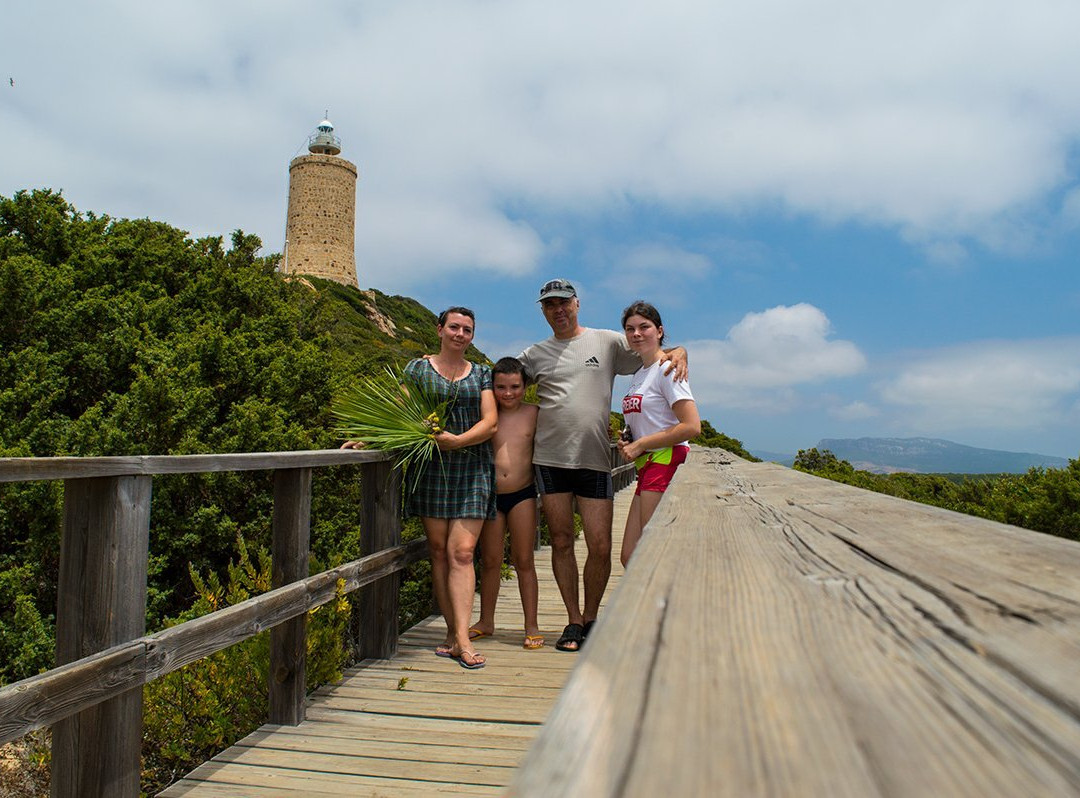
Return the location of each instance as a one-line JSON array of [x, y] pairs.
[[460, 483]]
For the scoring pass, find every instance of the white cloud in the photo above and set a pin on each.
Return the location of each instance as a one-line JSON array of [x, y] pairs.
[[661, 273], [942, 119], [655, 259], [855, 411], [420, 239], [766, 355], [1070, 208], [1001, 385], [946, 253]]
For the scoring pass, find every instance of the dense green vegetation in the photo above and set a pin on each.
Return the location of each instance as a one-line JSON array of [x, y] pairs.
[[122, 337], [718, 440], [1043, 499]]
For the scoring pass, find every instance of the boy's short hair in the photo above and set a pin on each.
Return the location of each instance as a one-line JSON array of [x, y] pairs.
[[510, 365]]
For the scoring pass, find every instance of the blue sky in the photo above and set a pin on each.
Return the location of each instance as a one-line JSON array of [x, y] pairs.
[[860, 218]]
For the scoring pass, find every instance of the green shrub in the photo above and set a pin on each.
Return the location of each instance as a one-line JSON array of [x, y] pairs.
[[195, 712]]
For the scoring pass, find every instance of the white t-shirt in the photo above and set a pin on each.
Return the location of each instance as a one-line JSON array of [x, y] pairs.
[[647, 404], [573, 383]]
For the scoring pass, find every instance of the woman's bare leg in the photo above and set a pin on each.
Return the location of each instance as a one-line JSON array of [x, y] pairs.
[[641, 510], [437, 531], [491, 558], [632, 531], [461, 583]]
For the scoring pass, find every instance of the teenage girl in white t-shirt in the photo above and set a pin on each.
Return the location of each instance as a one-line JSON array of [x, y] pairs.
[[661, 417]]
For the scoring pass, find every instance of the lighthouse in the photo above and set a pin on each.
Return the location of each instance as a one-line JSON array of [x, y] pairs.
[[320, 223]]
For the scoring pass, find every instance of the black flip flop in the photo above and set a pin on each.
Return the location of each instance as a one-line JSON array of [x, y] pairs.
[[573, 633]]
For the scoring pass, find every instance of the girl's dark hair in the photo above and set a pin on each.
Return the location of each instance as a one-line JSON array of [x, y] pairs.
[[646, 311], [460, 310], [510, 365]]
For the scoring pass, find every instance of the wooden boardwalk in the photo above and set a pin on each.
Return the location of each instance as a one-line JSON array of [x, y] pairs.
[[417, 724]]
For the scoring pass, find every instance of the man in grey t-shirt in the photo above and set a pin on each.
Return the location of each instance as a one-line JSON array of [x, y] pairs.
[[574, 371]]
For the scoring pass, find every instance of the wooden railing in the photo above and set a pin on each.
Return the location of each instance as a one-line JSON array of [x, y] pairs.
[[93, 700], [779, 634], [622, 472]]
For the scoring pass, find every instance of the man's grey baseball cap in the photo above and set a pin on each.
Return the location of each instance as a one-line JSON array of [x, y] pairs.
[[560, 288]]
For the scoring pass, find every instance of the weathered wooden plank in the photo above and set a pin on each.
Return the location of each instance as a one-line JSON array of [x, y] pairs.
[[59, 693], [101, 602], [294, 739], [86, 682], [252, 780], [315, 763], [381, 529], [1014, 593], [189, 788], [288, 640], [488, 716], [777, 635], [433, 685], [484, 708], [28, 469], [413, 729], [498, 682]]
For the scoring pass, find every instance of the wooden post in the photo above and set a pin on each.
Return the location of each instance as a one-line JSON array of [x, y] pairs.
[[288, 641], [381, 530], [101, 602]]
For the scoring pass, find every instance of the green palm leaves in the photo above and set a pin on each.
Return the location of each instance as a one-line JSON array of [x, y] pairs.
[[392, 412]]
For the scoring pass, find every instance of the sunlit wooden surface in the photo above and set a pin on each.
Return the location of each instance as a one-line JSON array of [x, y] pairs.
[[417, 724]]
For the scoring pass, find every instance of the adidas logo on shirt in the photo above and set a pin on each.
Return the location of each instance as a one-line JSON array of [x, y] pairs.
[[592, 363]]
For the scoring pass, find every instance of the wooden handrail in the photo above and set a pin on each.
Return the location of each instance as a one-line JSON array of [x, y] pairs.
[[93, 699], [44, 699], [779, 634], [30, 469]]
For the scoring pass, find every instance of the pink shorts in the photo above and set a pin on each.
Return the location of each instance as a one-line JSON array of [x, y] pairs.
[[655, 476]]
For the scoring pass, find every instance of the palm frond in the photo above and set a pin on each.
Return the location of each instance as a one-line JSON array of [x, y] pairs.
[[392, 412]]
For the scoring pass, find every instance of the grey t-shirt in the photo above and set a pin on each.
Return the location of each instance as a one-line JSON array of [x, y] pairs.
[[573, 383]]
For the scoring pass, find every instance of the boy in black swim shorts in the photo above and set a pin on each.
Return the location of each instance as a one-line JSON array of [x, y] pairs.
[[515, 503]]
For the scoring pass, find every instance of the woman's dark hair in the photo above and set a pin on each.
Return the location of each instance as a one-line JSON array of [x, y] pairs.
[[459, 310], [510, 365], [646, 311]]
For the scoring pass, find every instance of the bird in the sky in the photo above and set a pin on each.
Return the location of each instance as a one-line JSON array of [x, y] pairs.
[[12, 82]]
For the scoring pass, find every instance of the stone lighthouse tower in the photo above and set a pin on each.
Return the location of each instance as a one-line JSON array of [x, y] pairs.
[[320, 223]]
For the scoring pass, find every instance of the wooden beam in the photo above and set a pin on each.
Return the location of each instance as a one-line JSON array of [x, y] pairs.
[[291, 548], [381, 529], [779, 634], [101, 602], [29, 469]]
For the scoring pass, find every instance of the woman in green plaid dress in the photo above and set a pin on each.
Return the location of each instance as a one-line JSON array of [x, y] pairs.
[[456, 492]]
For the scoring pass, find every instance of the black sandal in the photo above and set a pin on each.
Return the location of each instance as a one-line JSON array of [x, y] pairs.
[[574, 633], [586, 629]]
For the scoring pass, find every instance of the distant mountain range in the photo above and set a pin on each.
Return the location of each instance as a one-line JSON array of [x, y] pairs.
[[924, 456]]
